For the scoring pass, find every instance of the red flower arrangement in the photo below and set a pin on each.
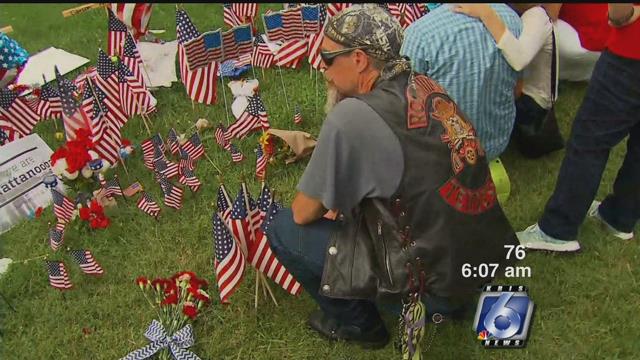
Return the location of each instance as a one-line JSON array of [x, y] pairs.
[[94, 215], [178, 298]]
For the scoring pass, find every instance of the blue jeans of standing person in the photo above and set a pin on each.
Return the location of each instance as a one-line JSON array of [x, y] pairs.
[[302, 248], [609, 112]]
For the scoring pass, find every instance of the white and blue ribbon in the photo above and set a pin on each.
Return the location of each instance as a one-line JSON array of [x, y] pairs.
[[178, 343]]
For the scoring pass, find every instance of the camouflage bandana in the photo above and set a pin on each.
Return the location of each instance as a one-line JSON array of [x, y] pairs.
[[375, 30]]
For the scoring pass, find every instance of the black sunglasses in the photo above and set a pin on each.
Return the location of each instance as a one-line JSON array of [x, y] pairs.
[[329, 56]]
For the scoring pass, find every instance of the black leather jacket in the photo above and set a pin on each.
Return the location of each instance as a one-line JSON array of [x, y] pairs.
[[444, 213]]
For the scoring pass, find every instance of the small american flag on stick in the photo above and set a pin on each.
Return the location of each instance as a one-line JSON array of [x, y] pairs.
[[148, 206], [87, 263], [58, 277]]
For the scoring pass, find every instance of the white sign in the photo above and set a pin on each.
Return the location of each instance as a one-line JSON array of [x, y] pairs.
[[159, 62], [43, 63], [23, 165]]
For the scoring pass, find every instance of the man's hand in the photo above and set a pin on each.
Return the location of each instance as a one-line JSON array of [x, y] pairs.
[[474, 10], [306, 209]]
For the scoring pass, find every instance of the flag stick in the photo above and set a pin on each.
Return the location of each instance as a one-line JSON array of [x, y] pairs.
[[262, 73], [83, 8], [264, 288], [212, 163], [7, 301], [55, 124], [224, 96], [257, 286], [264, 282], [286, 99], [142, 116], [316, 98], [253, 70]]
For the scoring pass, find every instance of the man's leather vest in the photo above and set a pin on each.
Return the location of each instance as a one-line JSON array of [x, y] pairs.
[[444, 213]]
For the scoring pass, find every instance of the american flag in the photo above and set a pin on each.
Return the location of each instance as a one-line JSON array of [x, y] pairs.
[[229, 15], [105, 134], [283, 25], [7, 132], [112, 187], [194, 147], [315, 40], [264, 202], [56, 236], [134, 96], [117, 31], [262, 55], [172, 194], [146, 204], [220, 137], [58, 277], [62, 207], [236, 155], [148, 146], [166, 167], [264, 260], [204, 49], [413, 12], [172, 141], [186, 162], [254, 213], [188, 178], [297, 117], [135, 16], [237, 41], [245, 10], [73, 116], [334, 8], [133, 189], [261, 163], [311, 18], [224, 203], [108, 81], [229, 260], [397, 10], [90, 73], [87, 263], [254, 117], [50, 105], [291, 52], [239, 221], [201, 84], [244, 60], [17, 111], [132, 60]]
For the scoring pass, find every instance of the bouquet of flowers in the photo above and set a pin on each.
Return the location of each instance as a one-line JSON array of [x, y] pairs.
[[74, 158], [93, 214], [177, 301]]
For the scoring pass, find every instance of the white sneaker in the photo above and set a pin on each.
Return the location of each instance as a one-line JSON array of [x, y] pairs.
[[594, 213], [534, 238]]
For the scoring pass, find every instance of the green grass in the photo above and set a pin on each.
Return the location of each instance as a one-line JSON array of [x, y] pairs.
[[587, 304]]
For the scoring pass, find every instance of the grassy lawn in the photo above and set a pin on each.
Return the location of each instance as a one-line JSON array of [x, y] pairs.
[[587, 304]]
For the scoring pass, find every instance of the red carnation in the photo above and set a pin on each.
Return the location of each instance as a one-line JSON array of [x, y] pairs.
[[142, 281], [125, 142], [85, 213], [190, 310], [61, 153], [39, 211], [172, 299]]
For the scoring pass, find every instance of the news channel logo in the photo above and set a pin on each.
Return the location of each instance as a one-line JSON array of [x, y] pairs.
[[503, 316]]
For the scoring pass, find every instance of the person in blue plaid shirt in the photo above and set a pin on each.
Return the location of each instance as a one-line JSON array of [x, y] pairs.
[[459, 53]]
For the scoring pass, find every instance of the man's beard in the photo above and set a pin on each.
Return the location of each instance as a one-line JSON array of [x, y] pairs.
[[333, 97]]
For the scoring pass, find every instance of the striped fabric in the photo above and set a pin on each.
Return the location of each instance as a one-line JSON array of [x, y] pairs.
[[459, 53], [135, 16]]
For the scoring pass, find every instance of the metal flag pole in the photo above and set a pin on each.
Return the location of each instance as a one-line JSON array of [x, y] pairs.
[[284, 89]]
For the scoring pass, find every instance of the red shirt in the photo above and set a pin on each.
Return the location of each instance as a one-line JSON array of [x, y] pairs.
[[625, 41], [590, 22]]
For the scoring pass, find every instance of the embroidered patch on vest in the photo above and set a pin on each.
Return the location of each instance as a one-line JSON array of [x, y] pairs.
[[459, 134], [466, 200], [419, 89]]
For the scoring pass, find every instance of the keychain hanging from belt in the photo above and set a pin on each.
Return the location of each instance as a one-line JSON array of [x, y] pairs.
[[411, 325]]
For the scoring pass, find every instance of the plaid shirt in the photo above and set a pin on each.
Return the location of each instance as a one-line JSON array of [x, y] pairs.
[[458, 52]]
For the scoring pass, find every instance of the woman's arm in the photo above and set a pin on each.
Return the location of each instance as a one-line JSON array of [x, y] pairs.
[[519, 52]]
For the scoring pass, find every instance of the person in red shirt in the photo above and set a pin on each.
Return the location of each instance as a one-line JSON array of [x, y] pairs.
[[607, 115], [582, 32]]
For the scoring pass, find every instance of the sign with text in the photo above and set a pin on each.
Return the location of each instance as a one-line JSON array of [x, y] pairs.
[[23, 165]]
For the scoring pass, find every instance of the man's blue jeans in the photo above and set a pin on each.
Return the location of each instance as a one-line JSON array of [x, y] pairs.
[[301, 249], [609, 112]]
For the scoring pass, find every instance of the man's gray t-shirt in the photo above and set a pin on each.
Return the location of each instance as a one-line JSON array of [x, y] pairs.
[[357, 156]]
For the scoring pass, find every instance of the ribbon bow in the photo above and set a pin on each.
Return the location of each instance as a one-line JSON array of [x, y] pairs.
[[178, 343]]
